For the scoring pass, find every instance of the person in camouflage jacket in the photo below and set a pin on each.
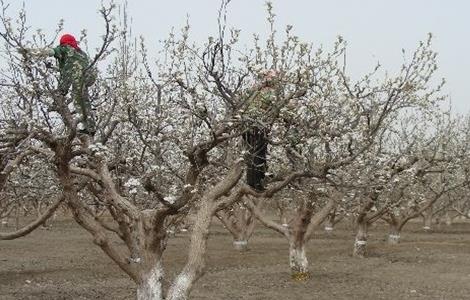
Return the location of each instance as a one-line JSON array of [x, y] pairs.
[[260, 106], [75, 72]]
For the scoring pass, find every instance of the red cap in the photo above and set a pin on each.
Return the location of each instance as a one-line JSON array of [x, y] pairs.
[[68, 39]]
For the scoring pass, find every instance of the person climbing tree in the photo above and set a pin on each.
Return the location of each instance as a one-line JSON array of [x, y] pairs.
[[76, 73], [260, 104]]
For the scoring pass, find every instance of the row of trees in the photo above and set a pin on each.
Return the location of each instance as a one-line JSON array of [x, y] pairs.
[[169, 143]]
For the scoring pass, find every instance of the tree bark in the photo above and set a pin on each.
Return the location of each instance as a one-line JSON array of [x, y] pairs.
[[360, 244], [394, 228], [330, 222], [240, 223], [427, 219], [448, 218], [240, 244], [195, 264], [394, 234], [150, 287], [298, 260], [183, 283], [283, 217]]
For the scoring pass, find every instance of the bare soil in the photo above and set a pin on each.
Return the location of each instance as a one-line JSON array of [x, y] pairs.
[[62, 263]]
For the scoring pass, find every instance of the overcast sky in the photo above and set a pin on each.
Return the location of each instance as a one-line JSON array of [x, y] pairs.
[[376, 30]]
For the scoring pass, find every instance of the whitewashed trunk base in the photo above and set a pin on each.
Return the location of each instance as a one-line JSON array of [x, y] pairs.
[[360, 247], [298, 263], [151, 286], [180, 288], [240, 245], [393, 239]]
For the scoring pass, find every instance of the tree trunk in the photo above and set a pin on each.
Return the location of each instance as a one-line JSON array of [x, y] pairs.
[[448, 218], [240, 241], [17, 218], [394, 234], [330, 222], [150, 288], [283, 218], [298, 261], [427, 218], [195, 264], [240, 245], [240, 223], [360, 244]]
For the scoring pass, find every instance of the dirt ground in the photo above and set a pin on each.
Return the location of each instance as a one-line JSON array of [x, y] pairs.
[[62, 263]]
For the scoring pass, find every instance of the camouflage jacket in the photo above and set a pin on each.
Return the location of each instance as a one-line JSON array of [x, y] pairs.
[[261, 104], [72, 64]]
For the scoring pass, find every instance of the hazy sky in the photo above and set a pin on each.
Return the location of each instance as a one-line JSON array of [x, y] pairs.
[[375, 29]]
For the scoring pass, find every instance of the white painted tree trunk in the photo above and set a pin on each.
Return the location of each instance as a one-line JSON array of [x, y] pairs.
[[427, 226], [283, 218], [448, 219], [183, 283], [329, 226], [394, 235], [150, 287], [180, 288], [330, 222], [240, 245], [298, 261], [240, 239], [240, 225], [360, 244], [17, 218]]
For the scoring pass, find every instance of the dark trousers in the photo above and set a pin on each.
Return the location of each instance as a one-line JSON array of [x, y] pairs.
[[257, 145], [83, 106]]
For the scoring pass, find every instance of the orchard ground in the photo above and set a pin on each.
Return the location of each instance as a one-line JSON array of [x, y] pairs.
[[62, 263]]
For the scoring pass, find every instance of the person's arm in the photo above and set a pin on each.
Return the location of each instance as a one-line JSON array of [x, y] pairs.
[[39, 52], [58, 52]]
